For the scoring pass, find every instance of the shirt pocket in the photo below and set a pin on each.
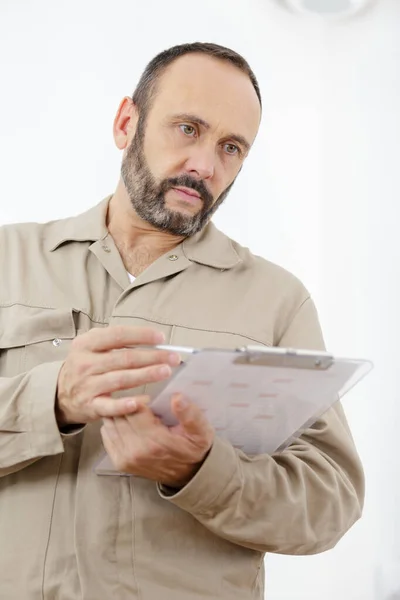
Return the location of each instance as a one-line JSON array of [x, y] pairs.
[[30, 336]]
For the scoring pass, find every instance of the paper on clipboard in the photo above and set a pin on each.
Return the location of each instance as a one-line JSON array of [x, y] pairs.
[[260, 405]]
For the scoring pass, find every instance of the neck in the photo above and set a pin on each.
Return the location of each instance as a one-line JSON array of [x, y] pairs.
[[138, 242]]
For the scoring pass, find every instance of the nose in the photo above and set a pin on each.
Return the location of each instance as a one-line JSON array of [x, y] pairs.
[[201, 163]]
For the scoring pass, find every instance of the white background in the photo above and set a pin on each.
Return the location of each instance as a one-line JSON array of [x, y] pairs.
[[318, 195]]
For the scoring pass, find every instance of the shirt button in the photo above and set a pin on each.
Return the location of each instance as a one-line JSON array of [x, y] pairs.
[[57, 342], [106, 248], [173, 257]]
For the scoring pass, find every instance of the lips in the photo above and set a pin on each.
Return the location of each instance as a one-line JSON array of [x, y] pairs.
[[187, 194], [188, 191]]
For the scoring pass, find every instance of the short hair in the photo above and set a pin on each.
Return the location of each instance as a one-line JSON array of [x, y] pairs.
[[147, 86]]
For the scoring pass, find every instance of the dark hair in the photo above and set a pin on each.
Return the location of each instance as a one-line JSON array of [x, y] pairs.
[[146, 88]]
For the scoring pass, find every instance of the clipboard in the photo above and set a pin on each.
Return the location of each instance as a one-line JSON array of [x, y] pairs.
[[258, 398]]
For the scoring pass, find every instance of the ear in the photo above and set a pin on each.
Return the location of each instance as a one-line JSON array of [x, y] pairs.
[[125, 123]]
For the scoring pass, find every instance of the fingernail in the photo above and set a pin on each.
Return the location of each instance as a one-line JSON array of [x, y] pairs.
[[164, 371], [131, 404], [159, 337], [174, 360]]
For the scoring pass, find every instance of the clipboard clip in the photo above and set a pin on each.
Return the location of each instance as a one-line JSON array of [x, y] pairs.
[[284, 357]]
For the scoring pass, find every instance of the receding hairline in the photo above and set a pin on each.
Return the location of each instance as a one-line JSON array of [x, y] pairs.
[[148, 85], [158, 80]]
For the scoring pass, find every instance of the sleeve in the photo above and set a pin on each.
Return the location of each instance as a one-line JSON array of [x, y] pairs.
[[300, 501], [28, 426]]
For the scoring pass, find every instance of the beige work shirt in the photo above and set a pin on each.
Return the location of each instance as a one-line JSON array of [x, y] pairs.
[[67, 533]]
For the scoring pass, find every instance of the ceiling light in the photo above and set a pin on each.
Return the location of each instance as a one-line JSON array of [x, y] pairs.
[[326, 8]]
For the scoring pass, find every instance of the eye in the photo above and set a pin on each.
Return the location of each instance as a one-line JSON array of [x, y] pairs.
[[188, 130], [231, 149]]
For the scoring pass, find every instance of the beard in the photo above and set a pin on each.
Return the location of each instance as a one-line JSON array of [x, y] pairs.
[[147, 195]]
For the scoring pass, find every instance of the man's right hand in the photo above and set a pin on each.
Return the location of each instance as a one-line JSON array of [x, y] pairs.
[[103, 361]]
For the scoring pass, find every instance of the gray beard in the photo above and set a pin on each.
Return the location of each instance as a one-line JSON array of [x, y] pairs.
[[148, 197]]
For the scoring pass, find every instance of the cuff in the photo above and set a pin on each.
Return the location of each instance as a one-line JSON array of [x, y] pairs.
[[70, 430], [202, 492], [45, 436]]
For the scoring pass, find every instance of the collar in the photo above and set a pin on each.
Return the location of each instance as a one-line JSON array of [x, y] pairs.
[[89, 226], [209, 247]]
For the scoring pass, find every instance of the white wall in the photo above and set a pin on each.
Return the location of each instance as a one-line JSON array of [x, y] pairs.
[[318, 195]]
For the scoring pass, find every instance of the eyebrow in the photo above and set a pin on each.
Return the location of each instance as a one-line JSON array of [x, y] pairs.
[[195, 119]]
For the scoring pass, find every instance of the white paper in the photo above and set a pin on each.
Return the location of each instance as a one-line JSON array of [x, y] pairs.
[[256, 408], [259, 409]]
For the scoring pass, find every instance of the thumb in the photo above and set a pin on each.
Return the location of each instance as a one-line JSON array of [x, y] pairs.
[[188, 414]]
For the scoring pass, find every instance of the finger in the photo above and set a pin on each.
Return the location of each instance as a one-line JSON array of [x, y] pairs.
[[121, 336], [189, 416], [110, 430], [130, 358], [107, 383], [110, 442], [104, 406], [123, 429], [143, 421], [116, 445]]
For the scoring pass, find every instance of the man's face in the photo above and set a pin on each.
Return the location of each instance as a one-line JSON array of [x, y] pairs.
[[187, 151]]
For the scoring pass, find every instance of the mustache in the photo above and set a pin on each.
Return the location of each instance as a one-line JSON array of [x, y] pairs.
[[191, 183]]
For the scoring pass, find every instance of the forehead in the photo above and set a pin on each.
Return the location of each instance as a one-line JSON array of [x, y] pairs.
[[212, 89]]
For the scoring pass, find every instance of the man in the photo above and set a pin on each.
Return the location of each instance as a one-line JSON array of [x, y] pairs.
[[84, 300]]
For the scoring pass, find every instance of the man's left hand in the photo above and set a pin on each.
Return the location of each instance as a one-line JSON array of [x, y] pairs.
[[140, 444]]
